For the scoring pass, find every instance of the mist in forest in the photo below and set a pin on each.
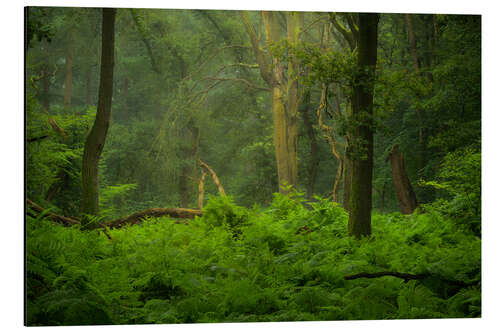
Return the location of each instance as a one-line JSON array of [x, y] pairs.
[[228, 166]]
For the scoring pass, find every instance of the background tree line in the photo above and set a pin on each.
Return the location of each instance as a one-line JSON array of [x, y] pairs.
[[265, 98]]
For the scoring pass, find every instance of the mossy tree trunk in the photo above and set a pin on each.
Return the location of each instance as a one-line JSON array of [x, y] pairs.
[[312, 168], [362, 133], [406, 196], [97, 135], [284, 92]]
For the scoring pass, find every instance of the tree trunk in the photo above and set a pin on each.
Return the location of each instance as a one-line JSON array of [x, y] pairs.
[[97, 135], [284, 95], [46, 88], [405, 194], [312, 168], [413, 42], [201, 190], [416, 65], [69, 69], [89, 86], [186, 183], [346, 196], [284, 104], [362, 161]]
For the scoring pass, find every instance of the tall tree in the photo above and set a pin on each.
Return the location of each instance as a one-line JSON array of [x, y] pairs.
[[68, 83], [350, 35], [284, 91], [97, 135], [362, 116]]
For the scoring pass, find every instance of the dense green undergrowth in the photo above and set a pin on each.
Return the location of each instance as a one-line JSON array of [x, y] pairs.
[[283, 263]]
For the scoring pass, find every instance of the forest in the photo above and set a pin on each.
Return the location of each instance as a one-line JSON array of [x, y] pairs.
[[213, 166]]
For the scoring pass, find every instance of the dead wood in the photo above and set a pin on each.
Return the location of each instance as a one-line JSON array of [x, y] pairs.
[[406, 196], [182, 213], [67, 221], [214, 176]]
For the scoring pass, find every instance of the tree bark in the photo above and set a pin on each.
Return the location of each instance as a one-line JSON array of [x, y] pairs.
[[330, 136], [69, 69], [285, 99], [346, 195], [312, 168], [283, 119], [362, 161], [67, 221], [416, 65], [94, 143], [46, 88], [404, 191], [214, 177], [413, 42], [183, 213], [201, 190]]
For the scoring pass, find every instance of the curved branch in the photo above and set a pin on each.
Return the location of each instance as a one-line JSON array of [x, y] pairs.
[[265, 68], [214, 176], [348, 35]]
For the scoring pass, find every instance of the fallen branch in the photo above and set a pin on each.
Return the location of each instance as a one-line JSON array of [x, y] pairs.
[[38, 138], [214, 176], [67, 221], [182, 213], [405, 276]]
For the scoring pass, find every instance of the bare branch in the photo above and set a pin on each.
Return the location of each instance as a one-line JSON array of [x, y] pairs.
[[265, 68]]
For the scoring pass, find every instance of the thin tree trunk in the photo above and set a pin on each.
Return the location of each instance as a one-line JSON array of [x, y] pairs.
[[186, 183], [94, 143], [416, 65], [362, 162], [69, 69], [46, 88], [413, 42], [435, 38], [312, 168], [330, 136], [402, 186], [294, 22], [201, 190]]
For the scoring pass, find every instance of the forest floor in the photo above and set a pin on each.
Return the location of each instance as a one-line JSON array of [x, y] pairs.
[[288, 262]]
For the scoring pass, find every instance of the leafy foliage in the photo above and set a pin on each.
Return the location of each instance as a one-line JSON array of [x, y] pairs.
[[275, 270]]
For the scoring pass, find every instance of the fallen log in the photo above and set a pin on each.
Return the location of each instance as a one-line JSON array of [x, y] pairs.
[[182, 213], [67, 221], [406, 277]]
